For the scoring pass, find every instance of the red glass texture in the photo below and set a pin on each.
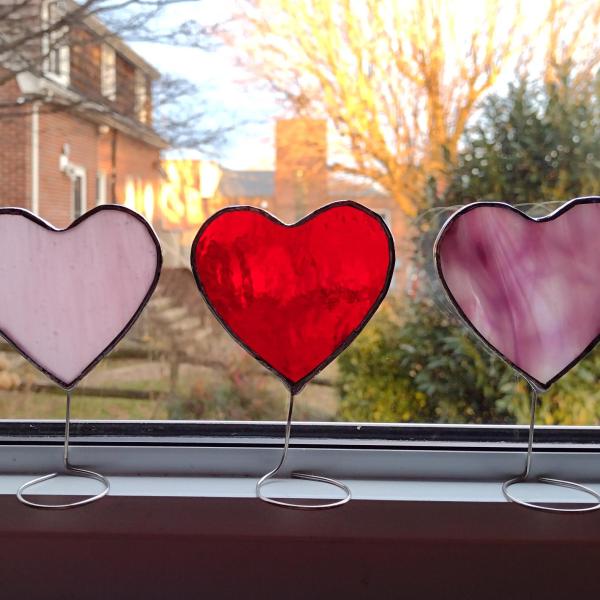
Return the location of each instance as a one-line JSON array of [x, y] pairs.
[[294, 295]]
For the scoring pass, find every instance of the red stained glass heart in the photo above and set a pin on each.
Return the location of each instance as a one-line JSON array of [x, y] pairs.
[[296, 295]]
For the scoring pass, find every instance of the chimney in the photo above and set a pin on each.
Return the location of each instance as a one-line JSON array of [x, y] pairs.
[[300, 168]]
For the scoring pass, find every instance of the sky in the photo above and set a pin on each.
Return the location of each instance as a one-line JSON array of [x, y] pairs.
[[230, 97]]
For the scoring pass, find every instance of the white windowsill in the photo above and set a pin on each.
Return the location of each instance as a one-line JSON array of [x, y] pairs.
[[420, 475], [138, 486], [63, 80], [183, 522]]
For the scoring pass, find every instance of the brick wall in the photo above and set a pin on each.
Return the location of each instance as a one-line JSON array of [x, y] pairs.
[[125, 102], [134, 158], [85, 64], [85, 76], [56, 130], [15, 147], [136, 164], [91, 148], [149, 103]]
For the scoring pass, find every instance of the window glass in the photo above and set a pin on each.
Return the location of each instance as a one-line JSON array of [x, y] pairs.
[[412, 108], [108, 72]]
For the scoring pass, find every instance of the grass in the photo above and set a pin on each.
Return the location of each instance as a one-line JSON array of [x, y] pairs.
[[318, 403], [23, 405]]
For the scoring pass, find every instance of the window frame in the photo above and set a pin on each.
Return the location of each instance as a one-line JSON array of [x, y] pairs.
[[77, 171], [140, 86], [56, 52], [354, 450]]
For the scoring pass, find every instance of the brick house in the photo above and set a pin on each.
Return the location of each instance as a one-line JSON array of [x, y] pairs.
[[76, 127]]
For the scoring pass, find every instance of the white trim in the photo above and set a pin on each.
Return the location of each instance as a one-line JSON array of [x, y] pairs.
[[252, 457], [108, 72], [35, 158], [76, 171], [136, 486], [51, 51], [141, 96], [425, 476], [101, 187]]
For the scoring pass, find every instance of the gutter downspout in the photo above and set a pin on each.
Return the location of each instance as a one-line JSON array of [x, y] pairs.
[[113, 167], [35, 157]]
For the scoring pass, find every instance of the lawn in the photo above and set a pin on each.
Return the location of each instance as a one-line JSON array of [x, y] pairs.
[[28, 405]]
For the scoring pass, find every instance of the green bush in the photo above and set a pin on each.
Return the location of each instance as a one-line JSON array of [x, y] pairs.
[[239, 392], [416, 361], [537, 143]]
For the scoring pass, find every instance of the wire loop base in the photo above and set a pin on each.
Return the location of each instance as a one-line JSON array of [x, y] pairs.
[[69, 470], [550, 481], [524, 477], [72, 472], [269, 478]]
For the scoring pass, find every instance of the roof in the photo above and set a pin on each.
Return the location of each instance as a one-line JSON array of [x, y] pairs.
[[342, 188], [100, 29], [261, 184], [247, 184], [49, 90]]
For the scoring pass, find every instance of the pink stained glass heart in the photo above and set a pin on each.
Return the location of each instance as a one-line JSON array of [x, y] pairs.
[[68, 296], [530, 288]]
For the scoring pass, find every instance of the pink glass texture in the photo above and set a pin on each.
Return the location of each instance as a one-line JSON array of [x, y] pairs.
[[294, 295], [66, 295], [530, 288]]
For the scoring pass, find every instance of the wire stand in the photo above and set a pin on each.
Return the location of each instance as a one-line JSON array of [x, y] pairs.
[[69, 470], [547, 480], [270, 477]]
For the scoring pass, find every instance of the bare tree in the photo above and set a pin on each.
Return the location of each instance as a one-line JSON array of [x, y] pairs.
[[182, 117], [572, 41], [397, 80]]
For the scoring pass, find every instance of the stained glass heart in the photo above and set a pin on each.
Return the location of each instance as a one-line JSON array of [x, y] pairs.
[[530, 288], [296, 295], [68, 296]]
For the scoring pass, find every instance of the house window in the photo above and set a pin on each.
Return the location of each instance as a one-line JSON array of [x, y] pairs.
[[141, 97], [108, 72], [55, 45], [78, 192]]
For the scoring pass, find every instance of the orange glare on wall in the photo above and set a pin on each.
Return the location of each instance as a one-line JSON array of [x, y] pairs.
[[180, 202], [184, 201], [139, 196]]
